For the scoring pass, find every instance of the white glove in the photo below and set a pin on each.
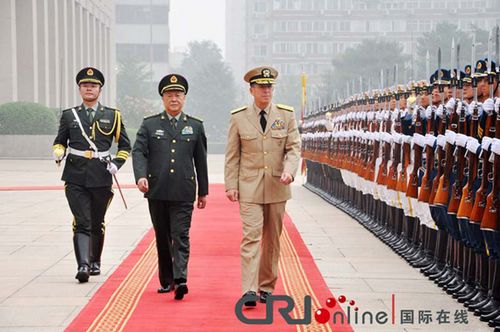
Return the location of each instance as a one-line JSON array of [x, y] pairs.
[[112, 169], [58, 154], [497, 104], [428, 111], [450, 105], [440, 111], [489, 105], [472, 105]]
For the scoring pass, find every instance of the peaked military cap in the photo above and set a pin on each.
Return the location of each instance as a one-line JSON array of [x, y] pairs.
[[90, 75], [467, 74], [481, 69], [261, 75], [173, 82]]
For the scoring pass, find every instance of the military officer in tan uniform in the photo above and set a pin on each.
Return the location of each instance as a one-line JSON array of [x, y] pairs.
[[262, 156]]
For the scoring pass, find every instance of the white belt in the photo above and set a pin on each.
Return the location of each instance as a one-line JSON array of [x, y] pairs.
[[89, 154]]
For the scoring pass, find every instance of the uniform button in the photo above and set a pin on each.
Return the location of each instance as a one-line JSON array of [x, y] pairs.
[[174, 141], [149, 175], [172, 171], [192, 178], [265, 152], [172, 160], [265, 167], [265, 137], [173, 150], [189, 139]]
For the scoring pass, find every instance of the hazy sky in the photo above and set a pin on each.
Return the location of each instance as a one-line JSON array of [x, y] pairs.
[[197, 20]]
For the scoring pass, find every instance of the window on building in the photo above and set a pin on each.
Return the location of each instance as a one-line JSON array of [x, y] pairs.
[[306, 26], [332, 4], [331, 26], [259, 28], [319, 4], [319, 26], [345, 4], [293, 26], [411, 5], [439, 5], [306, 4], [141, 14], [411, 25], [425, 4], [345, 26], [424, 26], [260, 7], [260, 50], [367, 26]]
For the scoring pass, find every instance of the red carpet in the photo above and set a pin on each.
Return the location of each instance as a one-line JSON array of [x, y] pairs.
[[128, 301]]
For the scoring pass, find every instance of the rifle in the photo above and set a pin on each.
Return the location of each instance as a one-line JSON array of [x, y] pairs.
[[426, 186], [375, 144], [418, 139], [382, 172], [402, 185], [490, 217], [440, 159], [392, 178], [467, 201]]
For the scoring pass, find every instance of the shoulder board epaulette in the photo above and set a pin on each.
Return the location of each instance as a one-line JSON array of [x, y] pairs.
[[285, 107], [194, 118], [112, 109], [238, 110], [69, 109], [151, 116]]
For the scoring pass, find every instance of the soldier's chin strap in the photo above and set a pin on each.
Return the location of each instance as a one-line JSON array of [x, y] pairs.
[[84, 134]]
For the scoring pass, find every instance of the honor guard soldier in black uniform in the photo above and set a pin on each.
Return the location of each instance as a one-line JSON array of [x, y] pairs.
[[85, 136], [170, 146]]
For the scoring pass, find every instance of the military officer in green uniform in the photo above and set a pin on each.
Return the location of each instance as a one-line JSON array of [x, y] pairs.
[[169, 148], [86, 133]]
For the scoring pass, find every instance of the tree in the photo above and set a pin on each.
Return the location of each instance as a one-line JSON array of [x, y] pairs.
[[135, 92], [212, 92], [364, 61], [441, 37]]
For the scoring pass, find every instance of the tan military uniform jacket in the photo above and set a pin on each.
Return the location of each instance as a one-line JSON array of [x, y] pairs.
[[255, 159]]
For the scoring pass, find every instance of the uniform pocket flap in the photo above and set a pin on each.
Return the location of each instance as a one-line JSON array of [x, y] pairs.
[[278, 134], [248, 136]]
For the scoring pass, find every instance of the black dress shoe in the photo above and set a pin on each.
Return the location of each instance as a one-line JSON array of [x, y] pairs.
[[83, 274], [167, 289], [263, 296], [95, 269], [180, 291], [251, 302]]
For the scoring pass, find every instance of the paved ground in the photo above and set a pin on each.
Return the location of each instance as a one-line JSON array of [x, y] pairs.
[[38, 292]]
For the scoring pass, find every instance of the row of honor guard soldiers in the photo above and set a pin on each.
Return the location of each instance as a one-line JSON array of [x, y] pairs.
[[419, 166]]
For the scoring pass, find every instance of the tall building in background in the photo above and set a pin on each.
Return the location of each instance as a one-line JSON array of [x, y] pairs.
[[143, 34], [296, 35], [45, 43]]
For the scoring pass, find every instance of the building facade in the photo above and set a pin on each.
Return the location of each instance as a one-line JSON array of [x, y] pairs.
[[46, 42], [304, 35], [143, 34]]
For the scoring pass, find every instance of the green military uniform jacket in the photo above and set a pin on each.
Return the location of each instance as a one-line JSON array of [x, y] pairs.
[[106, 127], [168, 156]]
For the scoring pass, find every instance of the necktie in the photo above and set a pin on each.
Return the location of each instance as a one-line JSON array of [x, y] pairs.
[[90, 112], [173, 122], [263, 121]]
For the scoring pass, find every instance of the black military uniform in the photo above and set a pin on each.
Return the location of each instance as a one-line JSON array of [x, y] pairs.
[[88, 182], [167, 154]]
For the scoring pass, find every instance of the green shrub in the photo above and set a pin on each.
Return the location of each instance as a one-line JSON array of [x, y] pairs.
[[24, 118]]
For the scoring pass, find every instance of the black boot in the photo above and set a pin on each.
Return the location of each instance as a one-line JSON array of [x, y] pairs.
[[81, 243], [97, 242]]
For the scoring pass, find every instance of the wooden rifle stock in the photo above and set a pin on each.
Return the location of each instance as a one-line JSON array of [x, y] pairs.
[[490, 217], [439, 165], [425, 188], [456, 191], [412, 190]]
